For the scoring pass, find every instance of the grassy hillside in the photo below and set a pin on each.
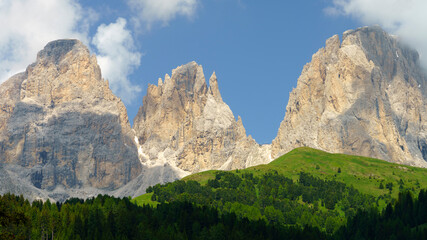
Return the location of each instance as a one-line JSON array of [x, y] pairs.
[[365, 174], [303, 187], [144, 199]]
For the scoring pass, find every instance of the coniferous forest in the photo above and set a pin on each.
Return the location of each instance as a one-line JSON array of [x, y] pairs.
[[230, 206], [106, 217], [274, 198]]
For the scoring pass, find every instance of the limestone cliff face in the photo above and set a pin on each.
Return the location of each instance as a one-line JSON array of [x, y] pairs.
[[184, 123], [365, 96], [61, 127]]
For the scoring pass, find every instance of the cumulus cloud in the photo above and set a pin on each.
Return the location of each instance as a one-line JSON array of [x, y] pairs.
[[26, 26], [151, 11], [117, 58], [406, 18]]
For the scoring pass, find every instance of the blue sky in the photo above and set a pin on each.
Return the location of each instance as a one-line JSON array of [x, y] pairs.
[[257, 48], [257, 51]]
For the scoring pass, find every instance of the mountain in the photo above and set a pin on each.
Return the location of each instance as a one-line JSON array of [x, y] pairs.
[[305, 187], [183, 127], [364, 95], [62, 131], [187, 125]]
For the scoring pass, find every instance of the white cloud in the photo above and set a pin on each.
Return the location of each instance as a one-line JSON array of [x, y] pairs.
[[406, 18], [117, 57], [26, 26], [151, 11]]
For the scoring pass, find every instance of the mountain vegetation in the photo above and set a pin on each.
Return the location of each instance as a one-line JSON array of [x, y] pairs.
[[305, 187], [363, 173], [305, 194], [106, 217], [274, 198], [407, 219]]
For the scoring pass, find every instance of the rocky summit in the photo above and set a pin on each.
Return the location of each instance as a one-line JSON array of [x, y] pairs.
[[62, 131], [187, 125], [364, 95]]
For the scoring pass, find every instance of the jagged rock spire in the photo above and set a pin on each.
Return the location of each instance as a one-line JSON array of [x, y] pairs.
[[190, 127], [213, 88]]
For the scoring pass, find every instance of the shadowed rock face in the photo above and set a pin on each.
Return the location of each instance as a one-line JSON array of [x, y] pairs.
[[184, 123], [365, 96], [61, 127]]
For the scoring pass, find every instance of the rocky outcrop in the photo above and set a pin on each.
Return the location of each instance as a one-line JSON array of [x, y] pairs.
[[365, 96], [63, 133], [185, 124], [61, 127]]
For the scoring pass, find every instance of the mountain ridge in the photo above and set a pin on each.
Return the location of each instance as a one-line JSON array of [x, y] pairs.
[[64, 133]]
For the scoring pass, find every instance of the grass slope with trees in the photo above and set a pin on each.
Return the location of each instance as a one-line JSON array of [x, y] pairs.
[[305, 194], [305, 187], [363, 173]]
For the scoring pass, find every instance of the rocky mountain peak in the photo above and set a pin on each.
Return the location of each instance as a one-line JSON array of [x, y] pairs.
[[56, 50], [363, 96], [64, 71], [381, 48], [188, 78], [188, 126], [63, 128]]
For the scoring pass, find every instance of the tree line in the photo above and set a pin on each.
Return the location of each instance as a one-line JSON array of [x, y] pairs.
[[229, 206], [106, 217], [274, 198]]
